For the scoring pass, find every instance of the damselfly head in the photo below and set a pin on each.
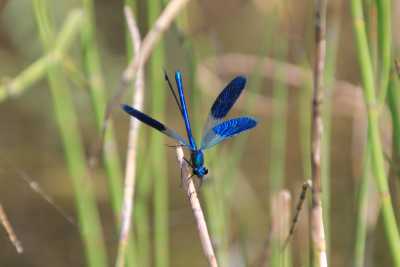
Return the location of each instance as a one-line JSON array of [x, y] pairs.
[[200, 172]]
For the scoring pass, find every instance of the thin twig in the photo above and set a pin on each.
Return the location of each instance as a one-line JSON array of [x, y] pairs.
[[34, 185], [153, 36], [317, 225], [11, 234], [130, 172], [188, 185], [306, 185]]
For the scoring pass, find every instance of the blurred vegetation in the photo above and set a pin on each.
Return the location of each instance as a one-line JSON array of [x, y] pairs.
[[61, 62]]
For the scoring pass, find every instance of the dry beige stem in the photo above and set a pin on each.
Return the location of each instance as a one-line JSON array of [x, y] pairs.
[[11, 234], [130, 171], [188, 185], [317, 224]]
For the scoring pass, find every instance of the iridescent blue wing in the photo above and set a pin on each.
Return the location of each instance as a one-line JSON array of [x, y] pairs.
[[227, 129], [224, 102], [153, 123]]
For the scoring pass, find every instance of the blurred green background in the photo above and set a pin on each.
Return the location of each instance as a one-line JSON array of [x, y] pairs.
[[270, 42]]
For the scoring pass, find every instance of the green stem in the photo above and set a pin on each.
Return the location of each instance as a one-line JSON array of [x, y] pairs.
[[161, 203], [373, 130], [384, 9], [362, 200], [277, 159], [393, 103], [329, 76], [89, 220], [92, 65]]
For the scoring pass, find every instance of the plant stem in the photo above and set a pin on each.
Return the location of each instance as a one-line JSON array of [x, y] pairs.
[[384, 9], [90, 225], [161, 203], [91, 60], [393, 103], [191, 193], [133, 148], [377, 160], [362, 200], [319, 257]]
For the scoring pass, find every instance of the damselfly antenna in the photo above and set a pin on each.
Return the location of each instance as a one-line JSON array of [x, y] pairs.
[[171, 88]]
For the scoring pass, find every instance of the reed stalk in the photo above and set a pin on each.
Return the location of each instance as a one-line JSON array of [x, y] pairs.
[[393, 103], [377, 160], [217, 209], [10, 231], [384, 9], [133, 148], [362, 211], [92, 68], [143, 225], [329, 76], [191, 193], [66, 117], [319, 255], [280, 199], [278, 131], [157, 147]]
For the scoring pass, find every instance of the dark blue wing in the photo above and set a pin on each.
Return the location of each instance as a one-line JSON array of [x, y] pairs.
[[153, 123], [227, 129], [225, 101]]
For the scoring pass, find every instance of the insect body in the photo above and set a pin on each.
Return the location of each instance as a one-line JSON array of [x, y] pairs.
[[216, 129]]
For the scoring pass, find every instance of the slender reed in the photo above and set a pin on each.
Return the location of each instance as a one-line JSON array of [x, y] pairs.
[[278, 129], [384, 9], [362, 210], [92, 67], [142, 214], [317, 225], [10, 231], [333, 38], [305, 95], [371, 27], [377, 159], [280, 199], [142, 189], [66, 117], [188, 185], [159, 167], [34, 185], [131, 158], [393, 103]]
